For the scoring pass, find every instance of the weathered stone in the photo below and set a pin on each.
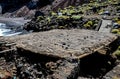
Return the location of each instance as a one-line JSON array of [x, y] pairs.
[[114, 73], [0, 9], [66, 71], [22, 11], [63, 43], [16, 6]]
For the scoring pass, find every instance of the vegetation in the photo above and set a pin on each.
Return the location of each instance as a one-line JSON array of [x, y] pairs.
[[71, 17], [115, 31], [117, 53], [115, 77], [116, 25], [67, 18]]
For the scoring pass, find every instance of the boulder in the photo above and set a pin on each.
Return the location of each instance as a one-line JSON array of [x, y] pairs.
[[0, 9], [22, 11]]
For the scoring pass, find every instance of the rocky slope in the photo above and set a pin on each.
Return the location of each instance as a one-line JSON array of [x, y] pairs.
[[27, 8]]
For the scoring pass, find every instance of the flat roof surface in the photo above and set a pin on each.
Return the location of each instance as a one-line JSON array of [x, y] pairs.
[[63, 43]]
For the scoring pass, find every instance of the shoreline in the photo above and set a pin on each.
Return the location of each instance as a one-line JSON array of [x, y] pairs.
[[17, 21], [14, 24]]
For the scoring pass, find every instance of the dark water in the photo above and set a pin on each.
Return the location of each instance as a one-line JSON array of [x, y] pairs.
[[8, 31]]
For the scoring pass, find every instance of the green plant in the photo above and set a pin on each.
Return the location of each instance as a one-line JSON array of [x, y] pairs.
[[76, 17], [115, 77], [117, 53], [115, 19], [39, 18], [48, 19], [115, 31], [87, 25], [62, 17], [61, 27], [90, 23], [53, 13]]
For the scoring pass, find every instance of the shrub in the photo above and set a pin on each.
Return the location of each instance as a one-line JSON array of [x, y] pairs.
[[76, 17], [87, 25], [39, 18], [115, 31], [90, 23]]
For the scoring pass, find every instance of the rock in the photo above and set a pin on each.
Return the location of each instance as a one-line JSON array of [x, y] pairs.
[[33, 4], [30, 14], [4, 74], [43, 41], [113, 74], [22, 11], [20, 8], [7, 74], [0, 9]]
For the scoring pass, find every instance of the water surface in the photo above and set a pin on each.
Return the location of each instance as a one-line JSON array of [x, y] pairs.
[[5, 30]]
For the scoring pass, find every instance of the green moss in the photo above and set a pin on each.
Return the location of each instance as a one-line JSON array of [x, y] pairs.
[[86, 25], [90, 23], [53, 13], [48, 19], [39, 18], [70, 7], [62, 17], [115, 77], [118, 47], [118, 33], [52, 27], [64, 11], [117, 53], [61, 27], [115, 31], [77, 17], [115, 19]]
